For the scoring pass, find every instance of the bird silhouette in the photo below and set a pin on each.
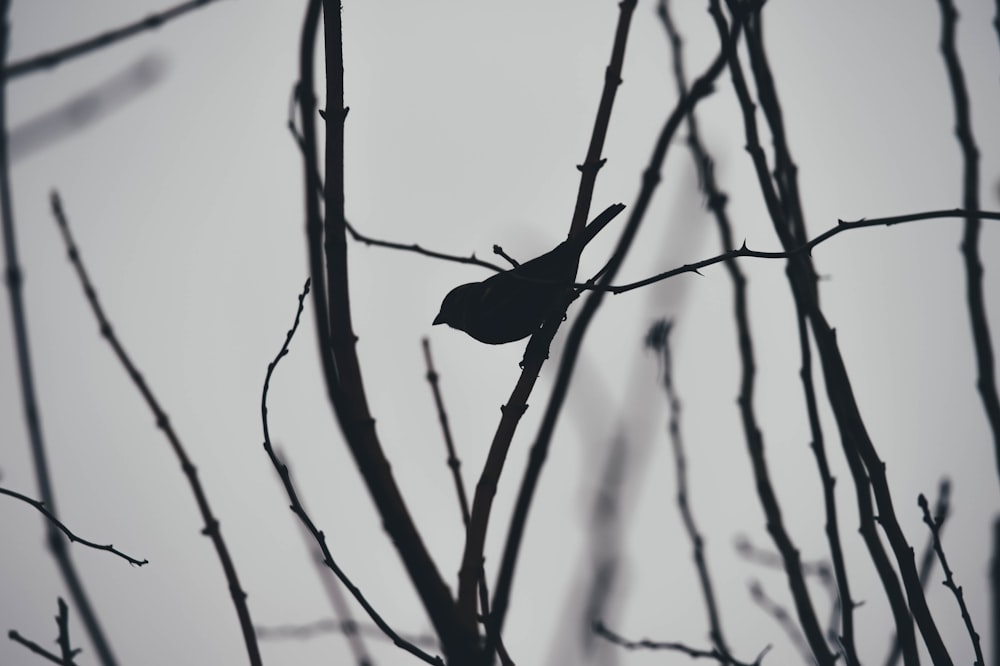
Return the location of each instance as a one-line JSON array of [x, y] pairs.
[[513, 304]]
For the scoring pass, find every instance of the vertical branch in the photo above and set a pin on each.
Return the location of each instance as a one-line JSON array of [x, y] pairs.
[[336, 339], [986, 381], [658, 339], [15, 289], [539, 450], [716, 202], [846, 411], [453, 461], [612, 79], [535, 355], [949, 580]]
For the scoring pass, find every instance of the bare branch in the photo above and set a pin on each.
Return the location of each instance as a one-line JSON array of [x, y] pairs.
[[65, 530], [14, 280], [949, 580], [974, 292], [299, 510], [52, 58], [212, 528], [694, 653], [744, 251]]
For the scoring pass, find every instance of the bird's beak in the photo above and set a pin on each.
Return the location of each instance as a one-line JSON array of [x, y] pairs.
[[438, 320]]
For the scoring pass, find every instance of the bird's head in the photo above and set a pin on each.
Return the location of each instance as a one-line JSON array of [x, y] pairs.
[[458, 305]]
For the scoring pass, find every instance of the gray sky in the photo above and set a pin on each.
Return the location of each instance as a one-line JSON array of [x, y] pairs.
[[466, 122]]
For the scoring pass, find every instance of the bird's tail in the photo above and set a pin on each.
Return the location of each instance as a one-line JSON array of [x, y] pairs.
[[599, 222]]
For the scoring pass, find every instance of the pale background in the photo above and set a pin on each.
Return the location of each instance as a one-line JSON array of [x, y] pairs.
[[466, 122]]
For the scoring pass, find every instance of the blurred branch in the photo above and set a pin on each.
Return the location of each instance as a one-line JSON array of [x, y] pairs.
[[87, 107], [52, 58], [35, 647], [299, 510], [694, 653], [302, 632], [744, 251], [212, 528], [784, 620], [40, 506], [986, 380], [658, 339], [67, 653], [949, 580], [574, 340], [14, 279]]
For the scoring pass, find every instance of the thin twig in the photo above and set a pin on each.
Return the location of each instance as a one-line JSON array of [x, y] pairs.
[[40, 506], [32, 416], [65, 647], [646, 644], [52, 58], [35, 647], [744, 251], [454, 463], [333, 588], [941, 507], [299, 510], [658, 340], [949, 580], [472, 259], [301, 632], [212, 528]]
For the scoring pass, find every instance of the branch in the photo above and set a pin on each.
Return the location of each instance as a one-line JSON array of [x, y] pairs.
[[744, 251], [32, 417], [986, 380], [658, 340], [299, 510], [694, 653], [949, 580], [327, 251], [212, 528], [40, 506], [453, 461], [574, 340], [52, 58]]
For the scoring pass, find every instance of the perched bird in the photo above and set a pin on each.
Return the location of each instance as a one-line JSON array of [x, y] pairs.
[[512, 305]]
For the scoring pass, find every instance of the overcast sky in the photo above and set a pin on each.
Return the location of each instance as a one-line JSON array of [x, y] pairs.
[[466, 123]]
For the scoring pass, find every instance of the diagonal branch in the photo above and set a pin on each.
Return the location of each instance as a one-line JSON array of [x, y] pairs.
[[40, 506], [299, 510], [212, 529], [50, 59]]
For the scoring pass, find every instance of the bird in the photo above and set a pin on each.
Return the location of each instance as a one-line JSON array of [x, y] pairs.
[[512, 305]]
